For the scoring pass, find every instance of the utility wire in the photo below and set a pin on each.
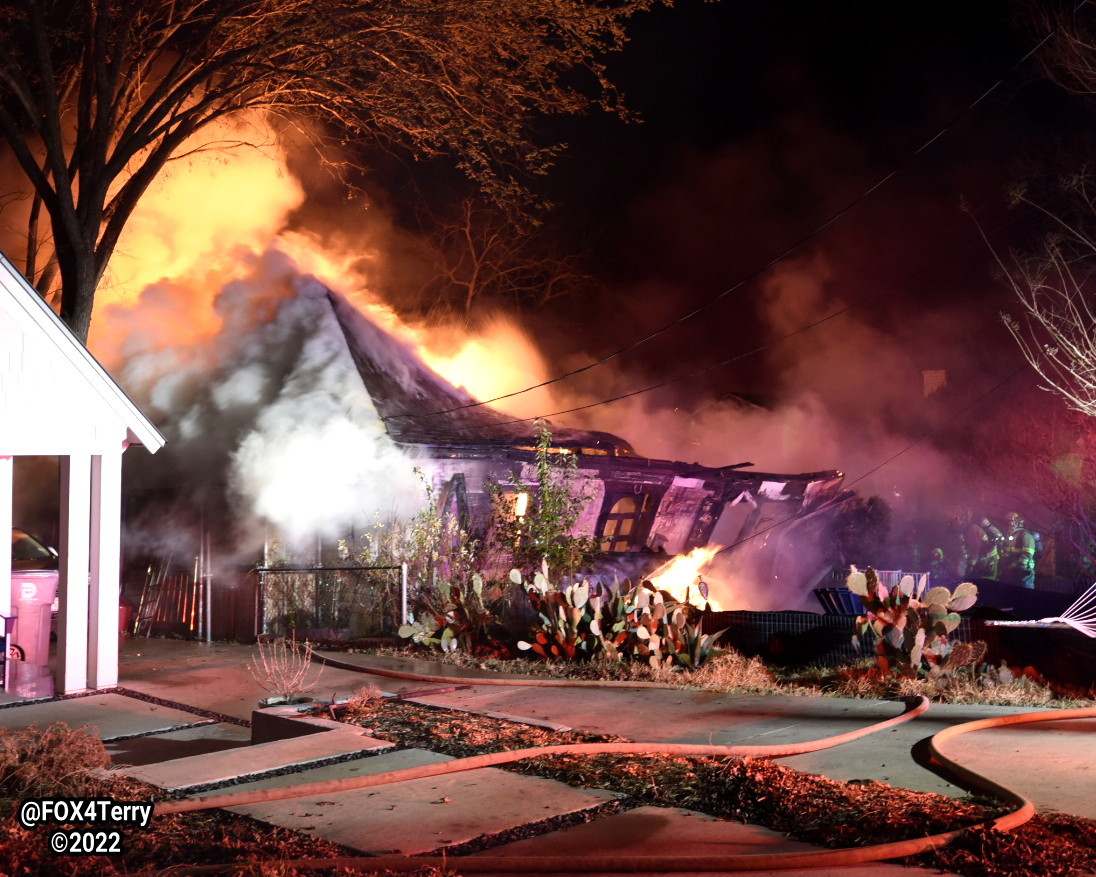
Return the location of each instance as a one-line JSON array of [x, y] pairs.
[[758, 271], [771, 343], [955, 416], [699, 371]]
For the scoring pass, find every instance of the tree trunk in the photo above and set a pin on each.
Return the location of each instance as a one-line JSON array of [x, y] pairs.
[[78, 282]]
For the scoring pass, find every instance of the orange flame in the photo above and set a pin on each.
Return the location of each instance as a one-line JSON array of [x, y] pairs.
[[682, 575], [228, 200]]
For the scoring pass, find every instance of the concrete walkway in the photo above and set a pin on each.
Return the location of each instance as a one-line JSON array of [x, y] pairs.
[[1053, 764], [188, 731]]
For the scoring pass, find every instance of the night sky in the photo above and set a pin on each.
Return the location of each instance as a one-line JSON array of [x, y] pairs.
[[797, 159], [763, 121]]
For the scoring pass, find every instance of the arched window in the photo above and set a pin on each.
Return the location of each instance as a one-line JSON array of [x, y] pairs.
[[622, 523]]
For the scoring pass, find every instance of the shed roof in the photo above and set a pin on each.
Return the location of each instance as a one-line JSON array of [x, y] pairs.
[[37, 320]]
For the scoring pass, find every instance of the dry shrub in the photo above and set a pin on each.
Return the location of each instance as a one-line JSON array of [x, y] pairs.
[[732, 671], [284, 667], [364, 701], [969, 655], [860, 685], [985, 685], [727, 671], [1023, 691], [56, 761]]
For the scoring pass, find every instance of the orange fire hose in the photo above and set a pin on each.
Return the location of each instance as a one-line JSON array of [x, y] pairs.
[[475, 762], [529, 681], [1024, 809]]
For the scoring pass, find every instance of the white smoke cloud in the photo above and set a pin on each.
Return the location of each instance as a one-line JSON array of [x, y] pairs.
[[317, 456], [270, 413]]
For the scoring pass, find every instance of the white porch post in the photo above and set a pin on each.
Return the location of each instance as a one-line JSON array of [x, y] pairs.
[[104, 585], [72, 622], [6, 523], [6, 469]]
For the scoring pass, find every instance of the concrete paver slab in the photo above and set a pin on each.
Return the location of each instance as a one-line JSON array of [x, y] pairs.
[[676, 716], [894, 757], [658, 831], [153, 748], [113, 715], [216, 767], [420, 815], [216, 674], [1052, 763]]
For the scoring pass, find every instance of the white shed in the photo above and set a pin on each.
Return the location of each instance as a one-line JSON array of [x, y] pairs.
[[57, 400]]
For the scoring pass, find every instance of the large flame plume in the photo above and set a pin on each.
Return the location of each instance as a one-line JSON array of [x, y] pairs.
[[213, 318], [227, 201]]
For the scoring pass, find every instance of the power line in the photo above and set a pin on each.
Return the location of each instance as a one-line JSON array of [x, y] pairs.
[[771, 343], [699, 371]]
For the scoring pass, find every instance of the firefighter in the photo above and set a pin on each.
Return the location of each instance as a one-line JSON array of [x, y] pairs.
[[954, 542], [982, 543], [940, 570], [1019, 554]]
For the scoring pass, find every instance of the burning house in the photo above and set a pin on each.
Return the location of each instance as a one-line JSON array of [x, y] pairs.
[[646, 509], [352, 410]]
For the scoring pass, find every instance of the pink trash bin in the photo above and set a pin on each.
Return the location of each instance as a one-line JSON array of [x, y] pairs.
[[32, 594]]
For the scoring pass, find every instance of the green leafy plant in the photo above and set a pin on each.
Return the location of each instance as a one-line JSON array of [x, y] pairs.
[[441, 556], [545, 528], [910, 622]]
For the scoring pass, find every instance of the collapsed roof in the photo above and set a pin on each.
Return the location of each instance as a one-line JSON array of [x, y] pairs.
[[419, 407]]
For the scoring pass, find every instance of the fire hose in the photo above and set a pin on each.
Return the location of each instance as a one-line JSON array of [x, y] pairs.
[[1023, 809]]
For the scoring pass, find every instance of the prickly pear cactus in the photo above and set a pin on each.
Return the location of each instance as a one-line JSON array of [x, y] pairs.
[[462, 620], [626, 623], [910, 621], [567, 618]]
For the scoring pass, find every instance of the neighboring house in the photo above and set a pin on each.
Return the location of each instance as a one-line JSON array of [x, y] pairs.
[[637, 504], [57, 401]]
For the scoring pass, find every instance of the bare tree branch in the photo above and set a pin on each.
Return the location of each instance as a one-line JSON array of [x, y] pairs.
[[1053, 285], [479, 251], [97, 95]]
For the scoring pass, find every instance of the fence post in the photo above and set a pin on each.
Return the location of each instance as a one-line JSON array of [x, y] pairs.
[[403, 595], [260, 604], [208, 567]]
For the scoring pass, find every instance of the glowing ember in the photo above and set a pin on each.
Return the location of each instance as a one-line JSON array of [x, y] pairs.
[[682, 576]]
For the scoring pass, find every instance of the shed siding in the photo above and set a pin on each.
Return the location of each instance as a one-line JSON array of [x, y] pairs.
[[46, 406]]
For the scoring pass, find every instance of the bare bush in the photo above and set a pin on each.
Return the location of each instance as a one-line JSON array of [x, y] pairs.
[[284, 667]]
